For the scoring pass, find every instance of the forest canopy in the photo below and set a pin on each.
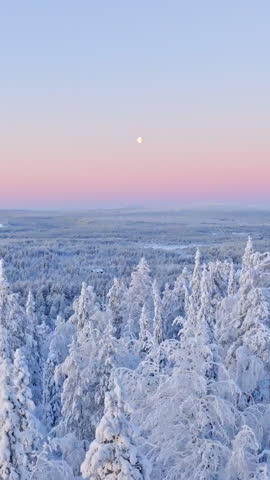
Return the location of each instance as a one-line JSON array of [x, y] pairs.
[[155, 382]]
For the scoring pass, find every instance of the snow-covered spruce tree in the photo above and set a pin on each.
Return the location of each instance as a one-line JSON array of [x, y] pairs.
[[219, 273], [59, 343], [12, 316], [11, 453], [247, 260], [4, 286], [195, 282], [18, 427], [33, 343], [174, 303], [30, 309], [117, 302], [206, 313], [84, 307], [247, 357], [139, 294], [113, 454], [19, 435], [187, 425], [195, 333], [158, 322], [106, 361], [12, 456], [145, 341], [29, 435], [77, 396], [189, 420], [231, 281], [86, 368]]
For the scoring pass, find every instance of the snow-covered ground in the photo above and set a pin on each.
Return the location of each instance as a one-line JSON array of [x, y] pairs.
[[157, 246]]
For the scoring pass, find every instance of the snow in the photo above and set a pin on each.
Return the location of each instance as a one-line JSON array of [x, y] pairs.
[[158, 246], [147, 382]]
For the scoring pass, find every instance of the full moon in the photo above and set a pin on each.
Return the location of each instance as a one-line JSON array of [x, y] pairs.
[[139, 140]]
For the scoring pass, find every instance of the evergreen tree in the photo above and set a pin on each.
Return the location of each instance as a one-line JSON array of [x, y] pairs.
[[29, 437], [33, 342], [139, 294], [231, 280], [86, 368], [113, 454], [158, 324], [52, 386], [117, 302], [145, 337], [12, 316], [84, 307], [195, 282], [247, 260], [248, 358], [174, 303], [18, 428]]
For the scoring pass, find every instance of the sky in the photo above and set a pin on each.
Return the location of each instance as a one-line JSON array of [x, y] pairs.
[[80, 81]]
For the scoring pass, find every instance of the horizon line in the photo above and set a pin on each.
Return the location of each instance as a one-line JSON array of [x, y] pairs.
[[153, 207]]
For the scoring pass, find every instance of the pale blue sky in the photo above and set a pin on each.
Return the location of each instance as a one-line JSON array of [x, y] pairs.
[[97, 71]]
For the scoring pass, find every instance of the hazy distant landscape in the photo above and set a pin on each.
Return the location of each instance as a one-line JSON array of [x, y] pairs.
[[54, 247], [56, 251]]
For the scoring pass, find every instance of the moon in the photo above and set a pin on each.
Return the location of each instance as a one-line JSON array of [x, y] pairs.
[[139, 140]]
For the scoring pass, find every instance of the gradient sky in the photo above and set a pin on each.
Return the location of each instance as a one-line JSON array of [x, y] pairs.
[[81, 80]]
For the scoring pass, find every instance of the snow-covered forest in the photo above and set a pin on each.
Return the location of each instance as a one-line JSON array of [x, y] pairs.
[[52, 253], [154, 382]]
